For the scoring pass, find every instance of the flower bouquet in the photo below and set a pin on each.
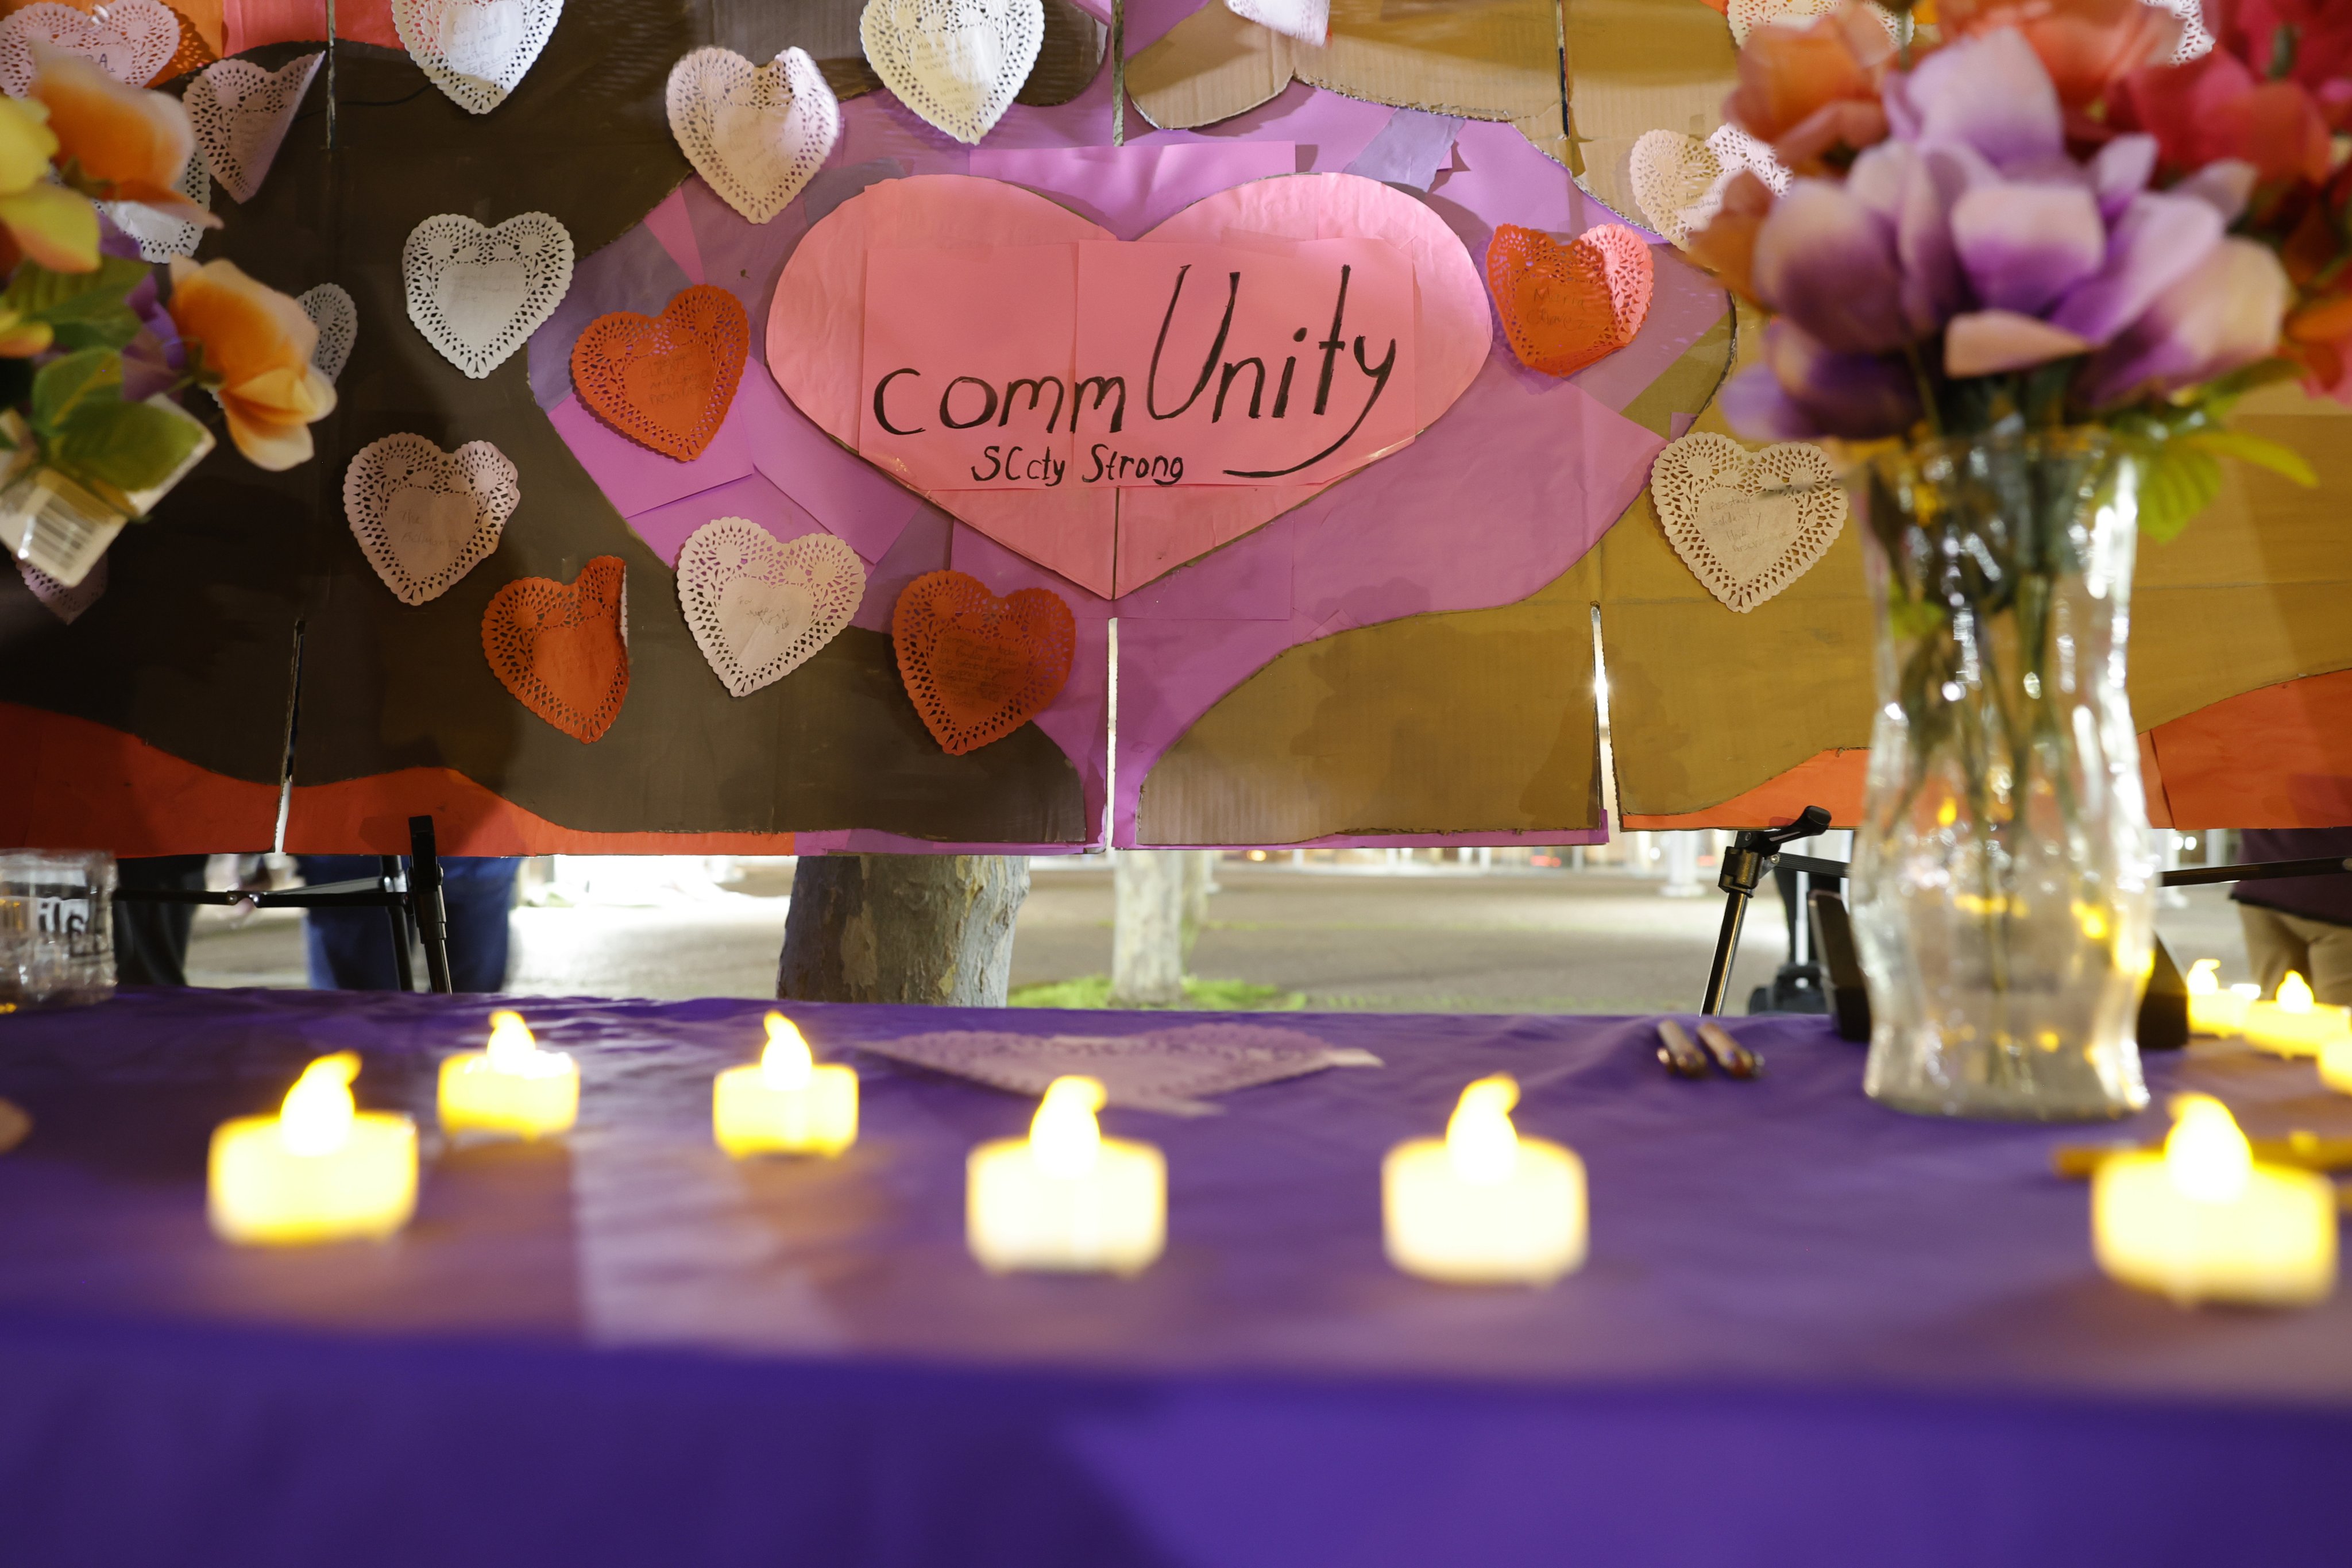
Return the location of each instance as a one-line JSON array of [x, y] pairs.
[[2027, 263], [92, 356]]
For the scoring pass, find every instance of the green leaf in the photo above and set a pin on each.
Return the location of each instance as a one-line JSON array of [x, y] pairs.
[[2177, 482], [2263, 453], [69, 383], [35, 292], [130, 446], [115, 330]]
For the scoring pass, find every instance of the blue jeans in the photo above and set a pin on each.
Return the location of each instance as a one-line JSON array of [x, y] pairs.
[[351, 950]]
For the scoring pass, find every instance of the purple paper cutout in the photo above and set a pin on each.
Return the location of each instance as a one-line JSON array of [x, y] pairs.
[[666, 528], [1410, 150], [1530, 470], [635, 272], [669, 224], [1130, 190], [635, 478]]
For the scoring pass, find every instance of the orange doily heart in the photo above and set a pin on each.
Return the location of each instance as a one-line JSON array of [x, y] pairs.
[[666, 380], [978, 666], [562, 648], [193, 54], [1565, 306]]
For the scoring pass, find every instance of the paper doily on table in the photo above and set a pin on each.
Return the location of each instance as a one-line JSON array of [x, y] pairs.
[[131, 43], [65, 603], [1172, 1070], [475, 51], [478, 293], [242, 113], [562, 648], [160, 237], [424, 517], [978, 667], [333, 312], [1564, 307], [759, 609], [957, 63], [1747, 524], [1309, 21], [666, 382], [754, 133]]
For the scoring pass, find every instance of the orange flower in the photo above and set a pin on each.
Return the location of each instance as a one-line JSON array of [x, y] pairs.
[[130, 145], [1727, 245], [2085, 45], [258, 342], [1814, 88]]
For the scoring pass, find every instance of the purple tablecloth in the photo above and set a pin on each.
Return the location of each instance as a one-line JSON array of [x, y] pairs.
[[1812, 1332]]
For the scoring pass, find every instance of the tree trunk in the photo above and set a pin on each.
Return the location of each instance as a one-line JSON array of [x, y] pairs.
[[934, 929], [1148, 941]]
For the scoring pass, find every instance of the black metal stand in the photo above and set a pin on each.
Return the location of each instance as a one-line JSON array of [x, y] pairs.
[[1754, 852], [411, 901]]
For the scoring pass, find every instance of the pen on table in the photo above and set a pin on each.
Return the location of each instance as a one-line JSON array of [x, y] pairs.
[[1734, 1058], [1677, 1054]]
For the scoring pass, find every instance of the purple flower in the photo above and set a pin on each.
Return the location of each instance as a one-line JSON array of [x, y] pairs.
[[2220, 316], [1801, 389], [1827, 262], [2158, 239], [1989, 94], [2024, 245]]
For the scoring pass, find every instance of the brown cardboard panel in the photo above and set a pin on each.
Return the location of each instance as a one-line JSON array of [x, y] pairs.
[[1636, 65], [1481, 60], [1470, 720]]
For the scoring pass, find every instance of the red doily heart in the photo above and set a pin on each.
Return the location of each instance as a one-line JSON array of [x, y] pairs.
[[1566, 306], [978, 666], [666, 380], [562, 648]]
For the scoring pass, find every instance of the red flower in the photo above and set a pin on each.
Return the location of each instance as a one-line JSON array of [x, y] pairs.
[[1810, 90], [2086, 46], [2317, 51], [2214, 108]]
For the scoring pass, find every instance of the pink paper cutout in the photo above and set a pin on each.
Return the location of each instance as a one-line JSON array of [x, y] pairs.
[[1129, 189], [674, 228], [815, 341]]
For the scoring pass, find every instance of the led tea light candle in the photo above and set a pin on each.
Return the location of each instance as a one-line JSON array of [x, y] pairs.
[[2202, 1222], [318, 1171], [2211, 1009], [2295, 1024], [784, 1103], [1485, 1206], [1066, 1197], [512, 1088]]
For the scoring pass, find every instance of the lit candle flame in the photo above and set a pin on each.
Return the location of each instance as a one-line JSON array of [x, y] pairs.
[[1064, 1138], [1479, 1138], [787, 1063], [2205, 977], [2205, 1155], [511, 1046], [316, 1116], [2295, 993]]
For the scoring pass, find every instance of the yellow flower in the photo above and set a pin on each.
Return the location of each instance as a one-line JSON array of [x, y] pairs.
[[131, 146], [42, 218], [258, 342]]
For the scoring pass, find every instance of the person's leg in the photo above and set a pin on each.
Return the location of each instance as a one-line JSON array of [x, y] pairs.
[[480, 893], [2330, 949], [151, 940], [2272, 947], [350, 949]]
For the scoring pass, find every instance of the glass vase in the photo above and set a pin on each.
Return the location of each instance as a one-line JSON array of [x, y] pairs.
[[2003, 884]]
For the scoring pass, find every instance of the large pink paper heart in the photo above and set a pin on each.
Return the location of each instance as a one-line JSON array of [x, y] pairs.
[[1111, 541]]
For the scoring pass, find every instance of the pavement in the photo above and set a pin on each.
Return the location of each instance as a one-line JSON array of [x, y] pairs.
[[1427, 938]]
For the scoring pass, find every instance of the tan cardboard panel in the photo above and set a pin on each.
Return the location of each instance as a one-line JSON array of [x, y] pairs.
[[1481, 59], [1636, 65], [1478, 720]]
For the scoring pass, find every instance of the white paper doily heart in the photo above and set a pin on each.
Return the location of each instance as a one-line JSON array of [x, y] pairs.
[[160, 237], [754, 133], [477, 293], [1309, 21], [1747, 524], [1170, 1070], [332, 311], [758, 608], [65, 603], [957, 63], [1678, 180], [131, 41], [475, 51], [241, 113], [425, 517]]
